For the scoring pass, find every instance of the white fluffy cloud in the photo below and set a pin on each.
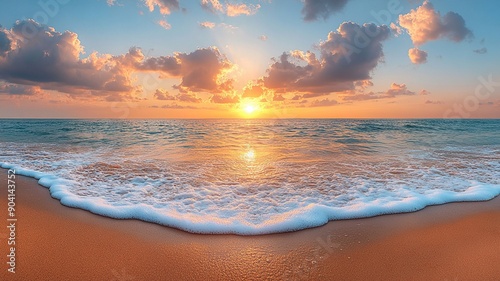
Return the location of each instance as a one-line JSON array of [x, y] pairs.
[[207, 24], [164, 24], [417, 56], [425, 24]]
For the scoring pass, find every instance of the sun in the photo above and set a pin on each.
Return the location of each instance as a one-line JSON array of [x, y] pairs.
[[249, 108]]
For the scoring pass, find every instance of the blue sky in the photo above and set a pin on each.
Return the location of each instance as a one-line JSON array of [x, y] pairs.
[[450, 72]]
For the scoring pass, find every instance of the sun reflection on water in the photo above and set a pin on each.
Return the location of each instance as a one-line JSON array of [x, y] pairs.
[[249, 155]]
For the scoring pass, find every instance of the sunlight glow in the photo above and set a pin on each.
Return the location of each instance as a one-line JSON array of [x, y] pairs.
[[249, 155], [249, 108]]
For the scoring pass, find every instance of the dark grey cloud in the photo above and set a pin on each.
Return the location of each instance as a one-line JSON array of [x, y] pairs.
[[481, 51], [5, 43], [199, 71], [313, 9], [161, 94], [51, 59], [454, 27], [348, 55], [19, 90]]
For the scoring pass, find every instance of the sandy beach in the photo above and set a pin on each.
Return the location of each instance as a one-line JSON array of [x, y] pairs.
[[457, 241], [228, 140]]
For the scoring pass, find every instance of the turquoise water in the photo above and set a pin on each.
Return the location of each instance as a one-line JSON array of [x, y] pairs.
[[255, 176]]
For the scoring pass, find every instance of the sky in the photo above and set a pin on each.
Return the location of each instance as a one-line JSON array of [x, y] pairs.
[[249, 59]]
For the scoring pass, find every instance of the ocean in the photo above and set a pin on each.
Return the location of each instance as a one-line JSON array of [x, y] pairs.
[[255, 176]]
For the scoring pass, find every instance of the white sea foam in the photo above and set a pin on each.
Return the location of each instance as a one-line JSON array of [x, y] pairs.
[[240, 178], [299, 212]]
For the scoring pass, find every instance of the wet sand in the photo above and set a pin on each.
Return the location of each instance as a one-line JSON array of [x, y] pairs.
[[457, 241]]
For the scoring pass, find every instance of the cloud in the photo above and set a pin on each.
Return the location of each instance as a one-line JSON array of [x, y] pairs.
[[200, 71], [481, 51], [234, 10], [111, 2], [314, 95], [228, 27], [424, 93], [224, 99], [5, 43], [363, 84], [222, 25], [348, 55], [417, 56], [161, 94], [394, 91], [19, 90], [229, 9], [433, 102], [212, 6], [165, 6], [361, 97], [188, 97], [263, 37], [323, 103], [278, 97], [207, 24], [425, 24], [174, 106], [398, 90], [34, 54], [396, 30], [253, 91], [164, 24], [321, 8], [51, 59]]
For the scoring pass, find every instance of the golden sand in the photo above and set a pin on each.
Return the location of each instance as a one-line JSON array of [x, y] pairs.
[[458, 241]]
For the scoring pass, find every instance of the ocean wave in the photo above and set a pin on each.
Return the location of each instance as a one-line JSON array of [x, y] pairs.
[[255, 176], [231, 222]]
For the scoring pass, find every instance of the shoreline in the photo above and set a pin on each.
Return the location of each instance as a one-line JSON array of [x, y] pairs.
[[57, 242], [68, 199]]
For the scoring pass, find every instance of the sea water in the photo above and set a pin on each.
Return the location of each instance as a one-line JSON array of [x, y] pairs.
[[255, 176]]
